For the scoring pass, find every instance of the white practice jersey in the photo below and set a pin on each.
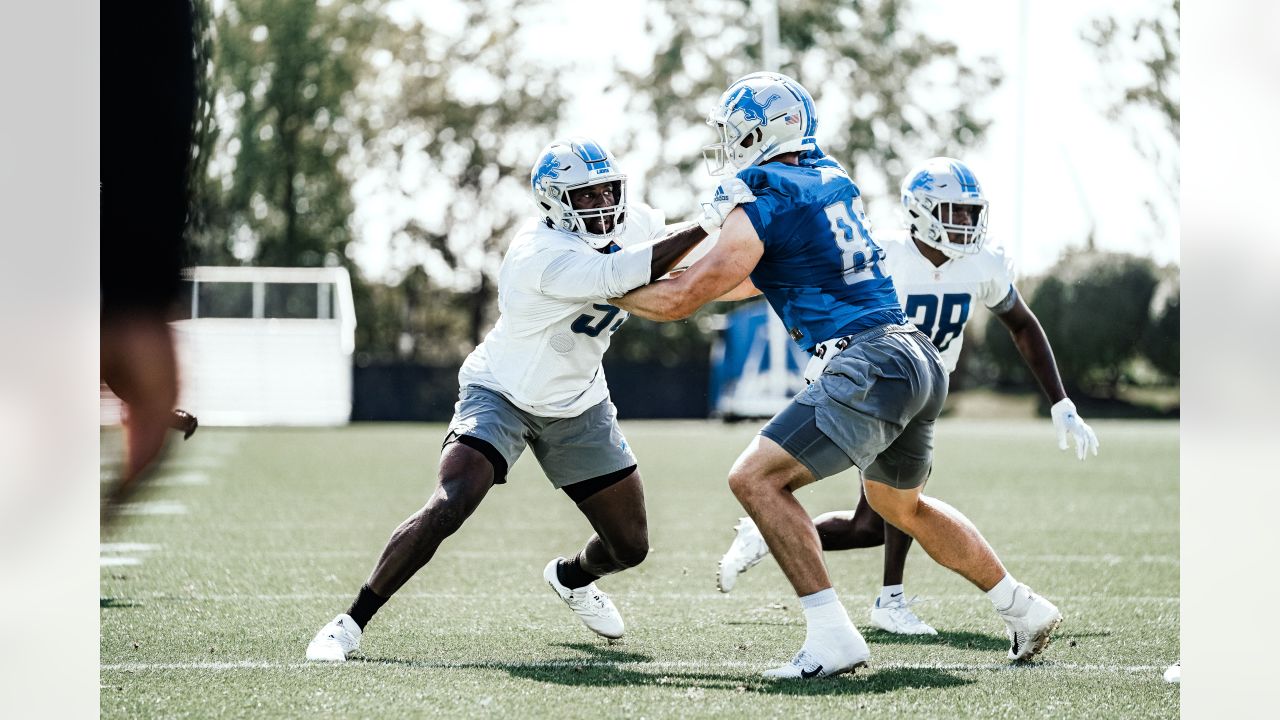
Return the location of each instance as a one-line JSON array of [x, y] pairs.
[[939, 300], [554, 322]]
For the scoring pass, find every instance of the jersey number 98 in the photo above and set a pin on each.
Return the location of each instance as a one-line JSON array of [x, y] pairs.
[[949, 319]]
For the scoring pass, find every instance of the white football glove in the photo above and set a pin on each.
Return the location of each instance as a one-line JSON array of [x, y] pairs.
[[1067, 420], [731, 193]]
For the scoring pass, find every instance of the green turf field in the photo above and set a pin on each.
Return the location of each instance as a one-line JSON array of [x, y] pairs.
[[251, 539]]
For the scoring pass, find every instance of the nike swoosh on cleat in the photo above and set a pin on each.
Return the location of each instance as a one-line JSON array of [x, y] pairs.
[[809, 674]]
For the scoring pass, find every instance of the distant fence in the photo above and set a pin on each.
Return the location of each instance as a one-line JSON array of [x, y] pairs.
[[424, 393]]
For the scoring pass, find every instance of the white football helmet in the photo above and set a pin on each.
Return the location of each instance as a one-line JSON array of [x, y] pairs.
[[567, 165], [945, 207], [761, 116]]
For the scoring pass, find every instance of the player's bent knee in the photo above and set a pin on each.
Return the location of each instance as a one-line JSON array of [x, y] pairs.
[[631, 554], [629, 547], [896, 506], [743, 484], [444, 519], [450, 505]]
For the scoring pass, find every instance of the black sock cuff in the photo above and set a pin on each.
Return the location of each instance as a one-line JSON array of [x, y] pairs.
[[367, 603], [571, 575]]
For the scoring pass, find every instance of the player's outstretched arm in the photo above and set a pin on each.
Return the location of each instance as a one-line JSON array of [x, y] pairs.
[[723, 270], [673, 247], [1033, 345], [746, 289], [683, 245], [569, 275]]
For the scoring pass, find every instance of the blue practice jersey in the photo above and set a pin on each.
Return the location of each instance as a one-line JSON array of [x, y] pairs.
[[821, 271]]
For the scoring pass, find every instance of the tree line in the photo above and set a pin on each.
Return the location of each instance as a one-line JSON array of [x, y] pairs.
[[308, 105]]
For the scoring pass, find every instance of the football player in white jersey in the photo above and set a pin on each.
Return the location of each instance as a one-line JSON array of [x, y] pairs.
[[537, 381], [941, 270]]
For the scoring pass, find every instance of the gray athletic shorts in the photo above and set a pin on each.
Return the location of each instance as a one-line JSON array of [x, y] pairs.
[[874, 407], [569, 450]]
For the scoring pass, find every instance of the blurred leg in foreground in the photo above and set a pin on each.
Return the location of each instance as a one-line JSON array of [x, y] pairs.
[[148, 106], [138, 365]]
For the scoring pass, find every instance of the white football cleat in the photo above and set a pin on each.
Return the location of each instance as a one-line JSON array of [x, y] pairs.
[[747, 550], [592, 606], [335, 641], [1174, 673], [1031, 620], [811, 663], [896, 617]]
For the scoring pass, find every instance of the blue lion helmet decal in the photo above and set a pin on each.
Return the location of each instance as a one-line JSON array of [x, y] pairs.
[[751, 108], [547, 167], [922, 181]]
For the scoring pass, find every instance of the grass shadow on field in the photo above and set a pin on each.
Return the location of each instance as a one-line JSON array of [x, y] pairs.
[[596, 655], [747, 680], [606, 653], [952, 638], [110, 602], [594, 665]]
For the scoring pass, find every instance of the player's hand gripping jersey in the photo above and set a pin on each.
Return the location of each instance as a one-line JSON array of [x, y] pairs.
[[821, 270], [554, 323], [940, 300]]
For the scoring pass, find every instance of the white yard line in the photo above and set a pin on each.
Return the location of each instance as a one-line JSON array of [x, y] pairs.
[[1102, 559], [1105, 559], [635, 598], [180, 479], [657, 665], [126, 547], [109, 557], [157, 507]]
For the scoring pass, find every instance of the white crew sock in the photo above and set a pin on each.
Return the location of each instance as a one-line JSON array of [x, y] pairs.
[[1002, 594], [824, 611], [888, 594], [826, 618], [817, 600]]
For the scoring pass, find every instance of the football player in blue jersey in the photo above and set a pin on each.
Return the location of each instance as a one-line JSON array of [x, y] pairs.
[[940, 270], [876, 384]]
